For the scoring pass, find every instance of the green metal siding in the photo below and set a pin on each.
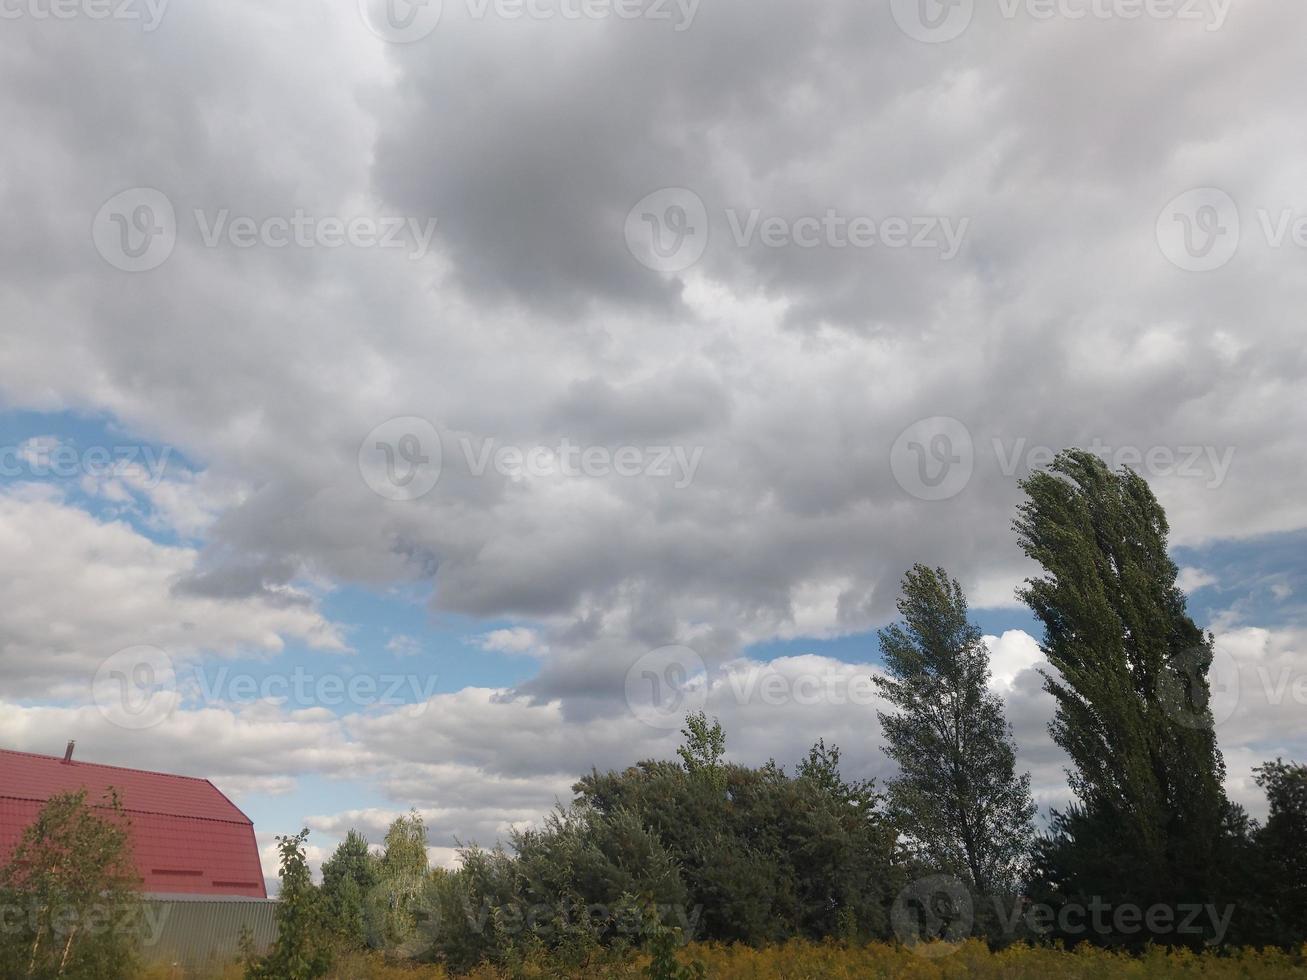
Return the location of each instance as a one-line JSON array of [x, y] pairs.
[[199, 934]]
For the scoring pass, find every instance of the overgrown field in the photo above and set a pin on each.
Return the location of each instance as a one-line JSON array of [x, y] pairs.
[[809, 961]]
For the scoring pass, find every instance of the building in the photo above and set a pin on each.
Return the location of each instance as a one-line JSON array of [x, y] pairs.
[[194, 850], [187, 838]]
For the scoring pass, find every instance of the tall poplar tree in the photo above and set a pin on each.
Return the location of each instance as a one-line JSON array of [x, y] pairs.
[[958, 794], [1131, 684]]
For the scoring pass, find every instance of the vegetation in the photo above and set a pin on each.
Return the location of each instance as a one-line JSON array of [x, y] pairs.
[[349, 878], [702, 867], [69, 905], [1283, 850], [401, 878], [807, 960], [805, 874], [301, 951], [709, 848], [958, 795], [1152, 824]]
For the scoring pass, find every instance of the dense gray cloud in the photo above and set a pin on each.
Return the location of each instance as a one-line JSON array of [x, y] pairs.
[[793, 370], [789, 372]]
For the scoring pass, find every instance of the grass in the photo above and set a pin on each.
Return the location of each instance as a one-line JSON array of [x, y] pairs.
[[819, 961]]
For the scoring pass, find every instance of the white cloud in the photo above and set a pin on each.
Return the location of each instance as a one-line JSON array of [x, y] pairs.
[[404, 646], [85, 589], [1192, 579], [1011, 654], [516, 640]]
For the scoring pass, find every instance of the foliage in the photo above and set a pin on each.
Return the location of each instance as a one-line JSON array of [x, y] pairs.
[[301, 950], [461, 924], [806, 960], [348, 878], [957, 795], [714, 850], [1283, 843], [69, 894], [571, 888], [401, 876], [973, 960], [703, 749], [662, 943], [1132, 693], [764, 856]]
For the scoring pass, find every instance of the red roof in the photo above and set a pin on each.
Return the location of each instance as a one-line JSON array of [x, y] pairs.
[[187, 837]]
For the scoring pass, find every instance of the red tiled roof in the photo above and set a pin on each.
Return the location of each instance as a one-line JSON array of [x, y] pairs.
[[187, 837]]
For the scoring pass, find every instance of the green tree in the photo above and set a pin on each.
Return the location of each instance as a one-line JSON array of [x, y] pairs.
[[671, 851], [704, 747], [957, 794], [837, 841], [1130, 683], [301, 950], [462, 927], [1283, 845], [764, 856], [401, 878], [70, 894], [348, 877]]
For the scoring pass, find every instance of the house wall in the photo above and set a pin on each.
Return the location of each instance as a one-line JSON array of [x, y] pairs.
[[201, 934]]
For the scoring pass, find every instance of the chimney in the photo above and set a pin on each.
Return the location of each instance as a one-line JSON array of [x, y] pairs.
[[68, 752]]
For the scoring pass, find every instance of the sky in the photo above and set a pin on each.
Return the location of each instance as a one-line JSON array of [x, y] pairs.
[[415, 405]]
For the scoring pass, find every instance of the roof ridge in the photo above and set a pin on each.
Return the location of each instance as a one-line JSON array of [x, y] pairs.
[[106, 765]]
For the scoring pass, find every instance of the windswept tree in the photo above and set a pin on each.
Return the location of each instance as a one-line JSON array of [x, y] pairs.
[[1130, 678], [957, 795], [70, 895]]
